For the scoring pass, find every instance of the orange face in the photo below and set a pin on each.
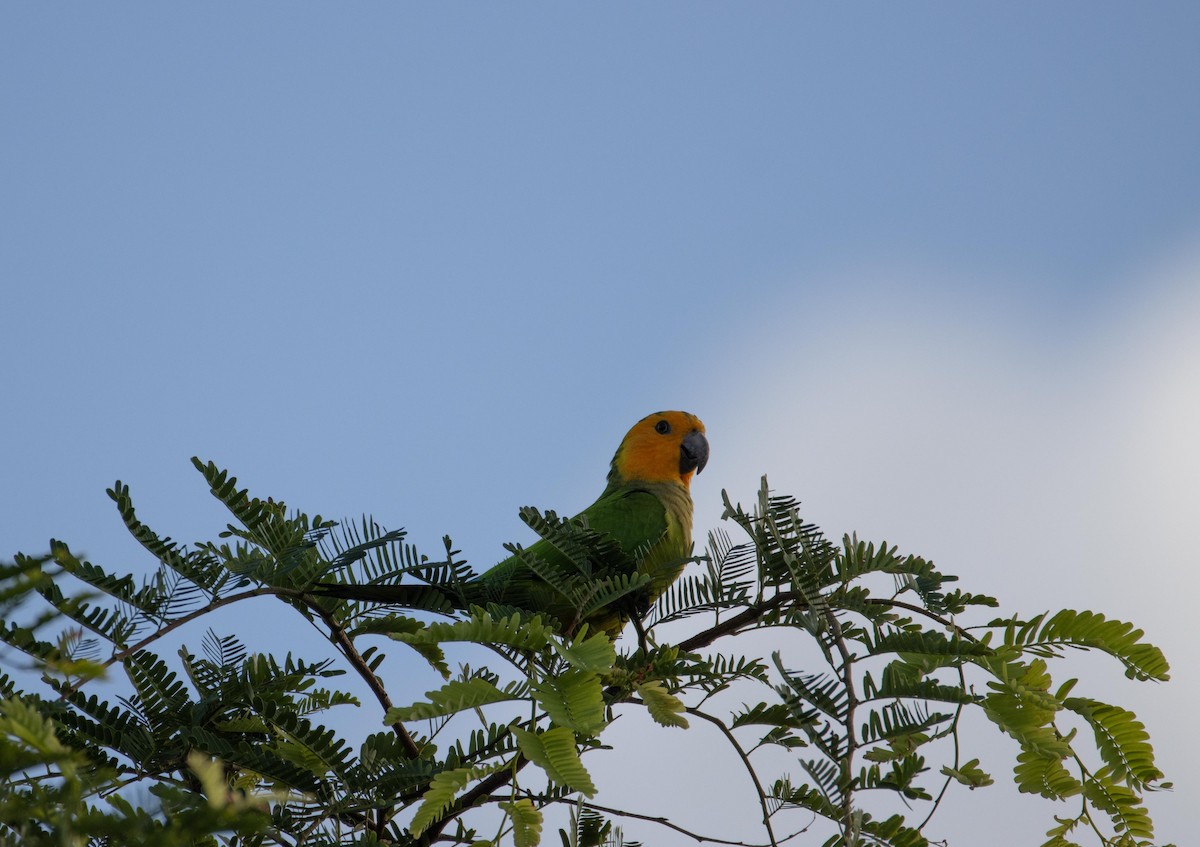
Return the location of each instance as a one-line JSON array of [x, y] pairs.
[[663, 447]]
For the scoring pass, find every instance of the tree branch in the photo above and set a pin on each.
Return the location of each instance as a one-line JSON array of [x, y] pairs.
[[839, 641], [752, 614], [661, 821], [920, 610], [175, 624], [755, 611], [745, 757], [483, 788], [338, 635]]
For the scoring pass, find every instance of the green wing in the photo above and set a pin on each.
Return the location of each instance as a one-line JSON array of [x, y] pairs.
[[636, 519]]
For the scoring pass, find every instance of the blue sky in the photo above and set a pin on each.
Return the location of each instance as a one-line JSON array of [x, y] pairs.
[[933, 268]]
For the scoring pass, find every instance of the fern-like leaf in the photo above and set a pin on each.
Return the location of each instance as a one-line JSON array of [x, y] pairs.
[[512, 631], [453, 697], [201, 569], [573, 699], [1047, 636], [1123, 805], [554, 751], [1121, 739], [440, 795], [969, 774], [663, 706], [526, 822], [594, 653]]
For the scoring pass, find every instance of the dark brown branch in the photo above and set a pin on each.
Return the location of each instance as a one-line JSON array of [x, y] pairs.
[[342, 640], [756, 611], [491, 782], [752, 614]]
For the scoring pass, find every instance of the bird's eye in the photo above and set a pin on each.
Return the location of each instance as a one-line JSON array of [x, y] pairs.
[[662, 427]]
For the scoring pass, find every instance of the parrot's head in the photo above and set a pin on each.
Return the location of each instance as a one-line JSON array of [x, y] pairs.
[[663, 447]]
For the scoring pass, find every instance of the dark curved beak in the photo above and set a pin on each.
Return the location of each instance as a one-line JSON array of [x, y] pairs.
[[693, 452]]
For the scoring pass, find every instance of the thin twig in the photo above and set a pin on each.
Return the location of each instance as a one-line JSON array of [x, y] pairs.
[[337, 634], [175, 624], [745, 757], [962, 679], [661, 821], [933, 616]]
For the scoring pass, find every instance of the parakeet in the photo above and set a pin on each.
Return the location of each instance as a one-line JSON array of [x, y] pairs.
[[646, 507]]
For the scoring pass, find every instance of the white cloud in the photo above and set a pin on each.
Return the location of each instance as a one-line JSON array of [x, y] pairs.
[[1054, 466]]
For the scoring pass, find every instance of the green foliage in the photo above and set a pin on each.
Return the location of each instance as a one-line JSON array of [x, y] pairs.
[[572, 699], [969, 774], [440, 795], [662, 705], [1047, 635], [1121, 739], [555, 751], [453, 697], [526, 822], [230, 745], [591, 829]]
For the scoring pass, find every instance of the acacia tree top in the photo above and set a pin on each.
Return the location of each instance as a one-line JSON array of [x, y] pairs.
[[232, 748]]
